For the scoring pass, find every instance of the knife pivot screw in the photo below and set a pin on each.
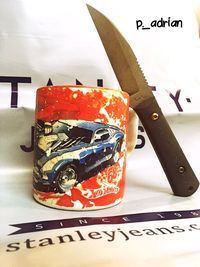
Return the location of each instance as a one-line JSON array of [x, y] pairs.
[[154, 116], [181, 169]]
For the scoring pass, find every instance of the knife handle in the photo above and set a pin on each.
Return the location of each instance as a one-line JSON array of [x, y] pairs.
[[179, 173]]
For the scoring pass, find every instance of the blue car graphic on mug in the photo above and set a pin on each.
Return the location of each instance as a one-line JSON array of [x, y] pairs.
[[68, 152]]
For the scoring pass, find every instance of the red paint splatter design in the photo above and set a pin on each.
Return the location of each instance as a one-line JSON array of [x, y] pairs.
[[88, 104]]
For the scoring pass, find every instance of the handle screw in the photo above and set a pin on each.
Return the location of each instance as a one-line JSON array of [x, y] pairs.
[[154, 116], [181, 169]]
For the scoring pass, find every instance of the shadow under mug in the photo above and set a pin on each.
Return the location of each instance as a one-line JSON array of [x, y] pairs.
[[80, 146]]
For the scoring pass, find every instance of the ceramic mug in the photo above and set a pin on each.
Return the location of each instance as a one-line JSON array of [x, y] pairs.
[[80, 149]]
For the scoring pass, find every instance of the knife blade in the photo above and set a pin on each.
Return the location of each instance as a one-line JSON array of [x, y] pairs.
[[179, 173]]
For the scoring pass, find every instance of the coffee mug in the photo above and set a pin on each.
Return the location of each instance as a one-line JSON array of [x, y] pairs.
[[80, 146]]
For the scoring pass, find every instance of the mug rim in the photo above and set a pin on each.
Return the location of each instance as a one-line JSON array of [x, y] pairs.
[[86, 87]]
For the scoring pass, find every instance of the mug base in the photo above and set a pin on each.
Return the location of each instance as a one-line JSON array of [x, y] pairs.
[[77, 207]]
